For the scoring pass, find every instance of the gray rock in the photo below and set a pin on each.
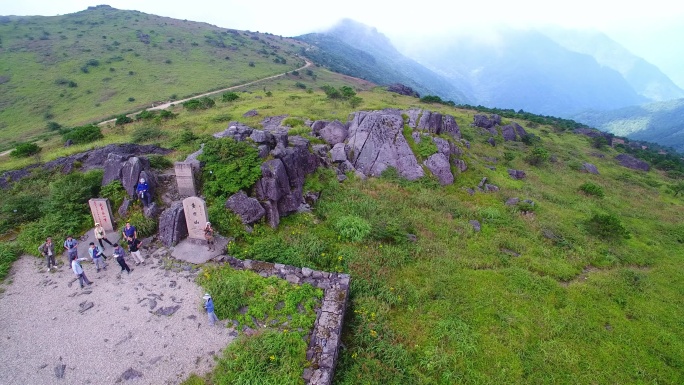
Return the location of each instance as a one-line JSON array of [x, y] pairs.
[[629, 161], [377, 142], [263, 151], [172, 225], [413, 115], [460, 164], [112, 168], [320, 150], [274, 183], [250, 113], [416, 136], [151, 211], [339, 153], [130, 173], [334, 133], [476, 225], [68, 143], [318, 125], [262, 137], [512, 201], [482, 121], [508, 132], [281, 137], [492, 142], [482, 182], [306, 272], [272, 122], [290, 203], [438, 164], [431, 122], [401, 89], [123, 209], [345, 167], [272, 214], [248, 209], [491, 188], [517, 174], [449, 126], [60, 369], [443, 146], [590, 168]]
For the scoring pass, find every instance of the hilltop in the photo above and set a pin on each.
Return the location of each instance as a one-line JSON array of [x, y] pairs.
[[95, 64]]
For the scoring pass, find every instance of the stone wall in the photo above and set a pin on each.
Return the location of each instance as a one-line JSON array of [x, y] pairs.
[[326, 334]]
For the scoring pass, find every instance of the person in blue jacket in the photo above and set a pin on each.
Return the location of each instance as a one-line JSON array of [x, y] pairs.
[[209, 305], [143, 192]]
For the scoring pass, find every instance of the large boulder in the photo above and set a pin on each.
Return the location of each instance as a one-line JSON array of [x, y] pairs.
[[377, 142], [298, 161], [449, 126], [413, 115], [318, 125], [262, 137], [334, 133], [290, 203], [272, 214], [274, 183], [590, 168], [438, 164], [172, 225], [512, 132], [629, 161], [248, 209], [516, 174], [130, 172], [339, 153], [431, 122], [112, 168], [443, 146]]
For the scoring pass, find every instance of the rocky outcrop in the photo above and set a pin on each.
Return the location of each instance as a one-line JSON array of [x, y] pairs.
[[513, 132], [487, 122], [401, 89], [377, 142], [172, 225], [517, 174], [629, 161], [437, 123], [235, 130], [88, 160], [438, 164], [273, 122], [248, 209]]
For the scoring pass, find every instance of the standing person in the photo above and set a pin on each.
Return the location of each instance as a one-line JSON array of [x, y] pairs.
[[100, 235], [209, 236], [78, 270], [134, 248], [71, 249], [96, 255], [119, 254], [129, 231], [143, 191], [209, 305], [47, 249]]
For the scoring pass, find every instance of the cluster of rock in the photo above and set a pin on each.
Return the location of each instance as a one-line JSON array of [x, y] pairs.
[[629, 161], [129, 170], [401, 89], [84, 161], [325, 338], [492, 125]]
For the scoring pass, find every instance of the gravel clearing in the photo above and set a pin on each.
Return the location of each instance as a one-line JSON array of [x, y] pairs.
[[144, 328]]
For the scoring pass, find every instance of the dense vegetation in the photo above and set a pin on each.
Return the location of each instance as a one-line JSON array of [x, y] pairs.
[[576, 288]]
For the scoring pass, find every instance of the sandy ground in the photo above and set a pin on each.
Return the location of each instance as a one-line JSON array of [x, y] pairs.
[[117, 340]]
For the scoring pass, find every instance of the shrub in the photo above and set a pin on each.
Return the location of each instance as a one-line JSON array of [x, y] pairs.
[[83, 134], [122, 119], [199, 104], [23, 150], [355, 101], [530, 139], [131, 99], [300, 85], [145, 226], [230, 166], [53, 126], [599, 142], [509, 156], [144, 134], [592, 189], [8, 254], [229, 97], [251, 64], [166, 114], [607, 226], [352, 228], [425, 148], [115, 192], [146, 115], [538, 156], [222, 118], [331, 92]]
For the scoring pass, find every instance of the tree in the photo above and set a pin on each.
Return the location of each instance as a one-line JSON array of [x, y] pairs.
[[23, 150]]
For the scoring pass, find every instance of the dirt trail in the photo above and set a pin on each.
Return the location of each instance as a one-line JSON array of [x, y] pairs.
[[176, 102]]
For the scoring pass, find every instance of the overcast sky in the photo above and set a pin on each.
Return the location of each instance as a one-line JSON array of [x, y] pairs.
[[651, 29]]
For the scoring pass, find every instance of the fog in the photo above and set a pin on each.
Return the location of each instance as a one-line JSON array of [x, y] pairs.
[[652, 30]]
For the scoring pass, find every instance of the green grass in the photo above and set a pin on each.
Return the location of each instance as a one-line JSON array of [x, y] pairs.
[[456, 306]]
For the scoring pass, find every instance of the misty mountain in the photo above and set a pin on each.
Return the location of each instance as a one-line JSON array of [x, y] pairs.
[[354, 49], [660, 122], [524, 69], [645, 78]]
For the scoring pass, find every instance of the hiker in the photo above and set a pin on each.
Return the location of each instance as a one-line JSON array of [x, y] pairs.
[[100, 235], [129, 231], [47, 249], [119, 254], [209, 305], [78, 270], [71, 249], [143, 192], [96, 255], [134, 248], [209, 236]]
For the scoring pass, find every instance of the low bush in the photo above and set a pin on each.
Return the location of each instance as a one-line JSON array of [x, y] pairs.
[[159, 162], [146, 115], [23, 150], [352, 228], [145, 226], [293, 122], [83, 134], [199, 104], [8, 254], [592, 189], [115, 192], [425, 148], [122, 119], [229, 167], [538, 156], [607, 226], [229, 97]]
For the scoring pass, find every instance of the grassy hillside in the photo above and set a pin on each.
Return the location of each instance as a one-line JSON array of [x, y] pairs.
[[539, 295], [94, 64]]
